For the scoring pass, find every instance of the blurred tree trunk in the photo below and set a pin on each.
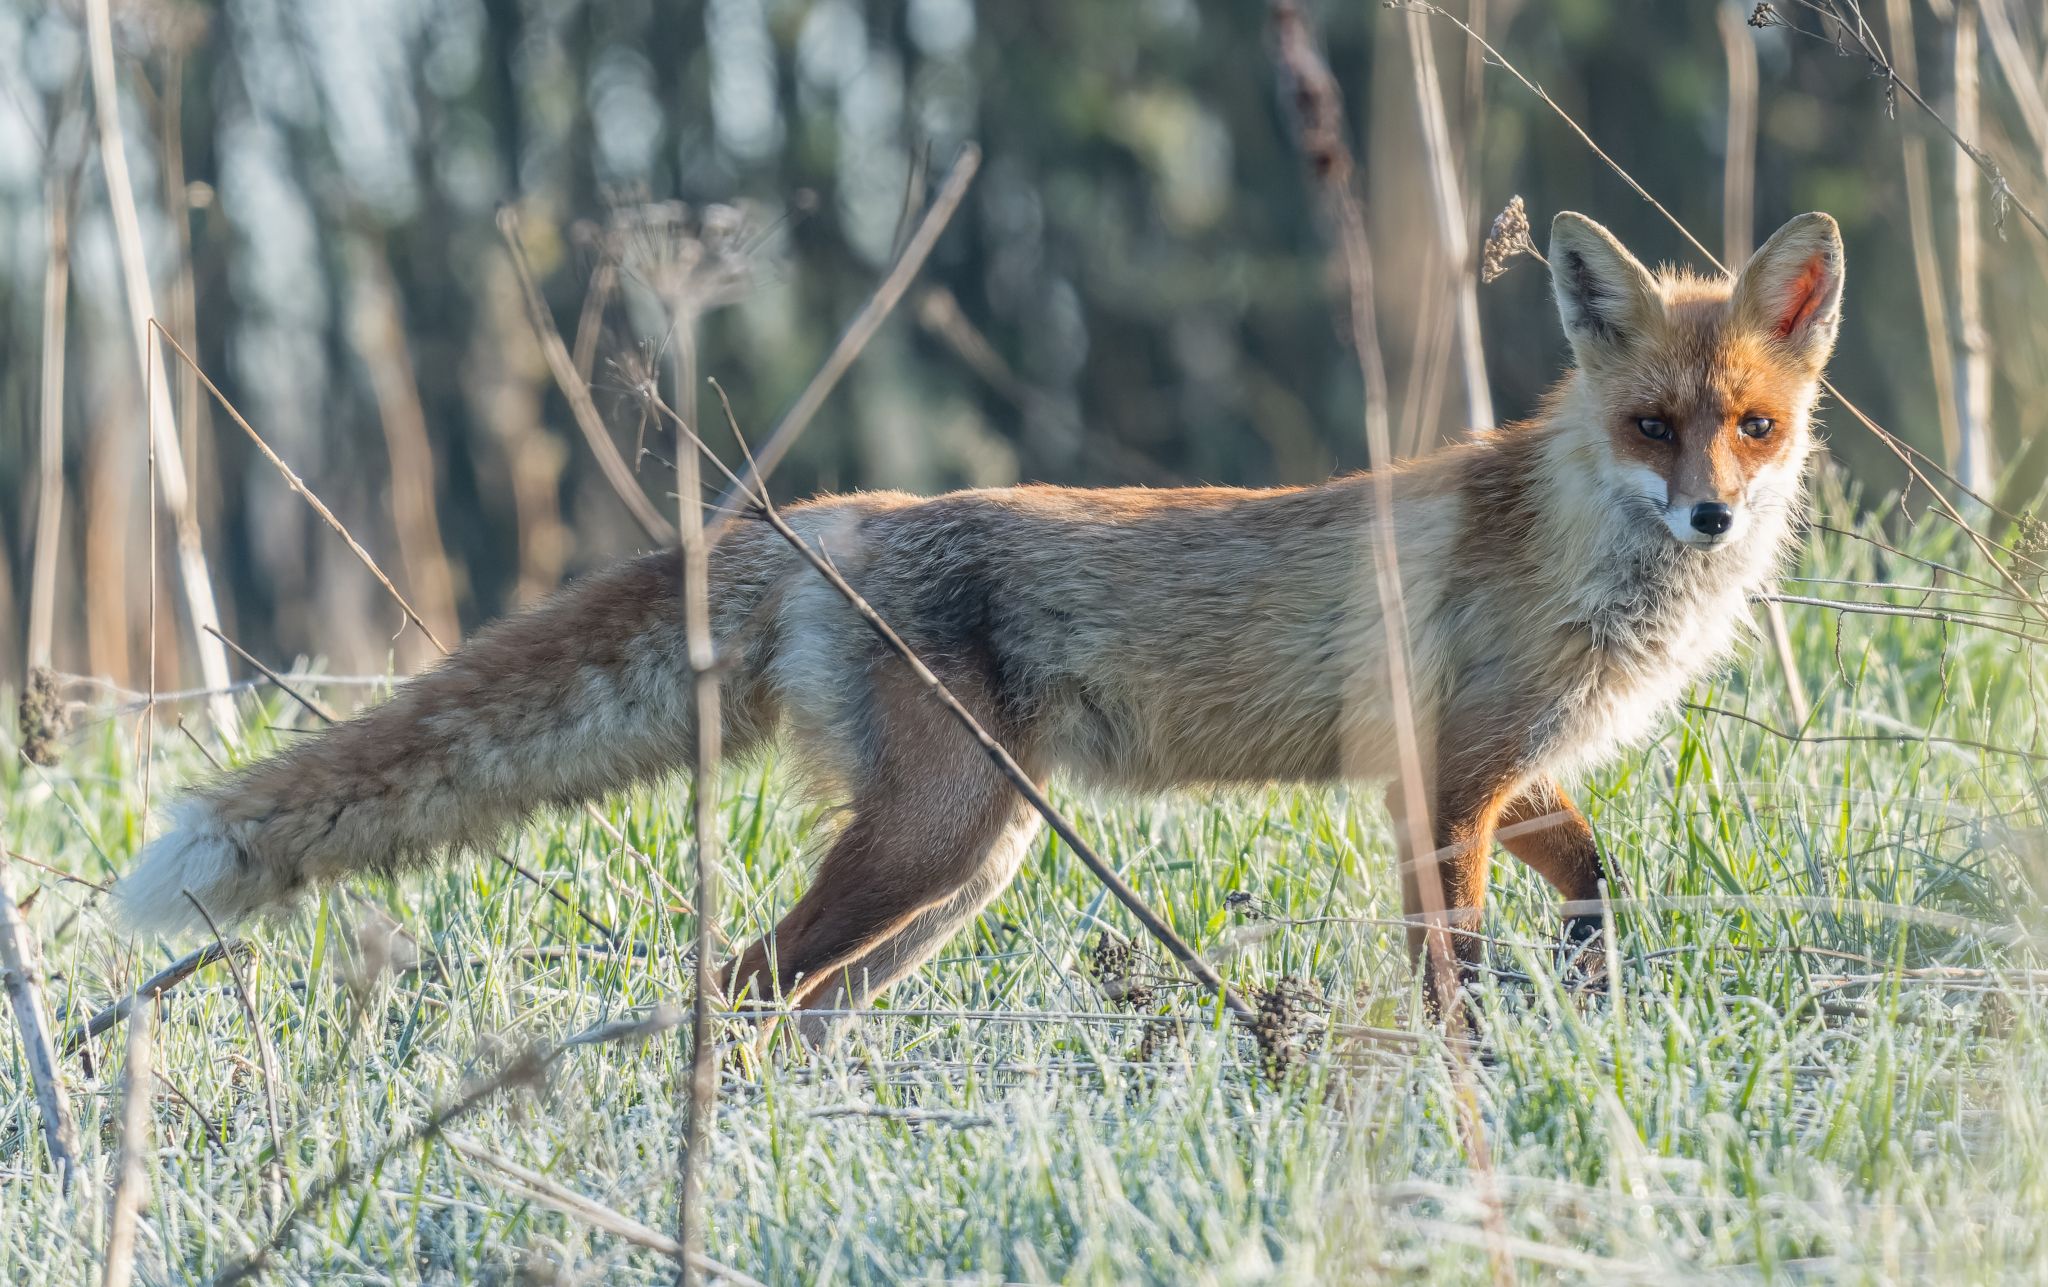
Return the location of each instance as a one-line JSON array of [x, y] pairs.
[[1976, 462]]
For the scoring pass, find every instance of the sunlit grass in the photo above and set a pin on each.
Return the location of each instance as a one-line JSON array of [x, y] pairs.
[[1742, 1109]]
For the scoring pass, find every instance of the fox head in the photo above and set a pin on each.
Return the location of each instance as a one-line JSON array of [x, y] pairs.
[[1702, 388]]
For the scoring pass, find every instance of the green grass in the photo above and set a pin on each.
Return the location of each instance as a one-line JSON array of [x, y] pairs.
[[1730, 1116]]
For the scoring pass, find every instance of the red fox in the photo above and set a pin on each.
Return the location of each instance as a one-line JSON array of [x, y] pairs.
[[1564, 579]]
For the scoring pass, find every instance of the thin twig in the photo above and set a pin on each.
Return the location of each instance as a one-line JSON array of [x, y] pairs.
[[705, 824], [1899, 739], [262, 1042], [529, 1067], [297, 484], [577, 391], [1898, 610], [855, 338], [1865, 40], [318, 709], [153, 987]]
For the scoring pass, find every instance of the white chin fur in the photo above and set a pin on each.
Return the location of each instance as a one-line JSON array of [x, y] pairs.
[[195, 856]]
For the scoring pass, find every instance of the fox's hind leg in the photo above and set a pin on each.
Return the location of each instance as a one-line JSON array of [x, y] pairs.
[[853, 985], [936, 833]]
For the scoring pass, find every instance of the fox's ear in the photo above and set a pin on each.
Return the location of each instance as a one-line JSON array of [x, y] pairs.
[[1791, 290], [1605, 297]]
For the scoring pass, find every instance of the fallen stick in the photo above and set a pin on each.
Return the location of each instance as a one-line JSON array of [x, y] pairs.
[[153, 987]]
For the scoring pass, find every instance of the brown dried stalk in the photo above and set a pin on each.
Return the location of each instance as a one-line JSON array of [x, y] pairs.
[[577, 392], [21, 974], [172, 479], [138, 1083], [528, 1068], [571, 1203], [298, 485], [153, 987]]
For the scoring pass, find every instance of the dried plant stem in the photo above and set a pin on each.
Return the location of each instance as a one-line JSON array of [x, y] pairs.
[[1447, 192], [1922, 614], [21, 973], [1319, 123], [153, 987], [173, 481], [1846, 17], [996, 752], [616, 471], [1822, 739], [313, 705], [298, 485], [696, 588], [599, 1216], [275, 1171], [1926, 257], [1319, 116], [50, 462], [138, 1083], [527, 1068], [855, 338]]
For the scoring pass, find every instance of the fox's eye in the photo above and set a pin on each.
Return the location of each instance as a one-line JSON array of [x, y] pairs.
[[1652, 427], [1758, 426]]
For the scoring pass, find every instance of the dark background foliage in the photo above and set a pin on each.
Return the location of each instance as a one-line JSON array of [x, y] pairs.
[[1136, 290]]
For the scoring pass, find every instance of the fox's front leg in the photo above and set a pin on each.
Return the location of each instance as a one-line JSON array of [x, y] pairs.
[[1551, 835], [1443, 892], [1543, 829]]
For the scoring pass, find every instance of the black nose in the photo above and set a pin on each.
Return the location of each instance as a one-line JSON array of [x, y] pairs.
[[1712, 518]]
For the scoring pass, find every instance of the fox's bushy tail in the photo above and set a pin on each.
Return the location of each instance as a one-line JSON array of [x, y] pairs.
[[584, 694]]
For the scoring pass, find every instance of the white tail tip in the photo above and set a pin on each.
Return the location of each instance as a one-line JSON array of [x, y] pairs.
[[196, 858]]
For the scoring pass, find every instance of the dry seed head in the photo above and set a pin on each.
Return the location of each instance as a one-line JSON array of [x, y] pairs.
[[699, 259], [1113, 964], [44, 717], [1507, 241], [1290, 1023]]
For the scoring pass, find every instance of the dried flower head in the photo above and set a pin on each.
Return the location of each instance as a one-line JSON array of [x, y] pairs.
[[1507, 241], [1766, 15], [1115, 966], [1291, 1022], [699, 260], [44, 717]]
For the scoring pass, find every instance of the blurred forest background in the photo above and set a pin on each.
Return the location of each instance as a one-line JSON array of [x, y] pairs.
[[1136, 289]]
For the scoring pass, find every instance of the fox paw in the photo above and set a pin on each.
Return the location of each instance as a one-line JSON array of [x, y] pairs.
[[1582, 955]]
